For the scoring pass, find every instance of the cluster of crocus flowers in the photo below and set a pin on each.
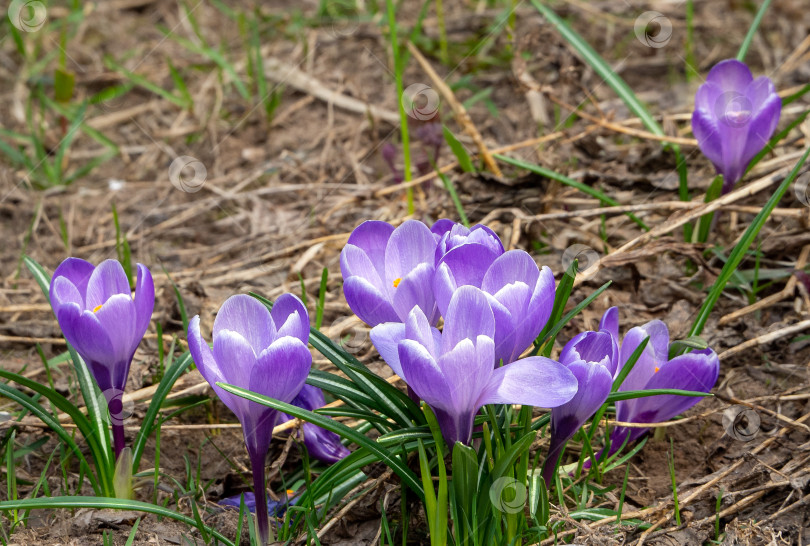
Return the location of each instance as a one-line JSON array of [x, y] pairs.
[[454, 370], [104, 322], [597, 358], [263, 351], [494, 303], [735, 116]]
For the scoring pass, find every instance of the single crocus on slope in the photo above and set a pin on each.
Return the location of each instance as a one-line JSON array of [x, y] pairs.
[[521, 294], [387, 271], [453, 370], [592, 357], [262, 351], [104, 323], [695, 371], [735, 116]]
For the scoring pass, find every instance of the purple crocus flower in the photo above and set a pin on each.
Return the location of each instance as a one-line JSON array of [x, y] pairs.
[[265, 352], [593, 359], [694, 371], [104, 322], [387, 271], [452, 234], [521, 294], [321, 444], [735, 116], [274, 508], [453, 370]]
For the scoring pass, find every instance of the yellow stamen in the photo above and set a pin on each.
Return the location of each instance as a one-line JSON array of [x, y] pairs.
[[290, 492], [397, 281], [97, 307], [656, 369]]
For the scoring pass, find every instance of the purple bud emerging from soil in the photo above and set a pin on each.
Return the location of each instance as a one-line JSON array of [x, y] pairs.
[[387, 271], [453, 370], [104, 322], [262, 351], [321, 444], [520, 294], [735, 116]]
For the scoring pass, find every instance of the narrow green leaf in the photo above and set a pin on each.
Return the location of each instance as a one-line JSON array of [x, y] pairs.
[[458, 150], [749, 36]]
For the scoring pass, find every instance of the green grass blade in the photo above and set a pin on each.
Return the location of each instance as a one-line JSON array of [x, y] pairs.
[[150, 419], [752, 30], [601, 67], [103, 503], [548, 173], [629, 395], [451, 189], [741, 248], [389, 459]]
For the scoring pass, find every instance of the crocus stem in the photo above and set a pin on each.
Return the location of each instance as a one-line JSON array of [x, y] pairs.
[[553, 457], [118, 438], [262, 521]]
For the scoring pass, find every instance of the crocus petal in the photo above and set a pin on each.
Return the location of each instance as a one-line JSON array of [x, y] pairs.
[[707, 133], [610, 322], [464, 265], [202, 354], [106, 280], [466, 369], [78, 272], [515, 265], [309, 398], [594, 384], [763, 124], [144, 300], [117, 317], [367, 302], [441, 226], [419, 329], [386, 338], [513, 324], [645, 365], [410, 245], [248, 317], [730, 75], [63, 292], [695, 371], [281, 369], [423, 374], [468, 316], [88, 336], [291, 318], [323, 445], [234, 357], [595, 347], [533, 381], [371, 237], [414, 290], [355, 262]]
